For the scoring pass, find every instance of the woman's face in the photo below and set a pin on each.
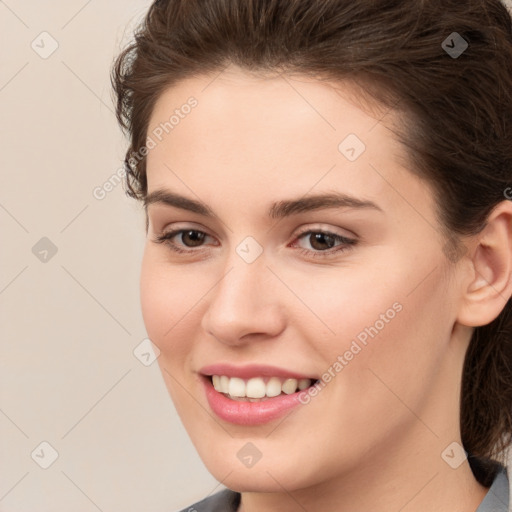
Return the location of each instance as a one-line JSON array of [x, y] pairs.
[[365, 307]]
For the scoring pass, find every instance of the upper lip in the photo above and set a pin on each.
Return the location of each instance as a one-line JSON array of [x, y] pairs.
[[251, 370]]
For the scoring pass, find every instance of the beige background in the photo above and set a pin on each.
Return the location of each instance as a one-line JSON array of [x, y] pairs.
[[70, 321]]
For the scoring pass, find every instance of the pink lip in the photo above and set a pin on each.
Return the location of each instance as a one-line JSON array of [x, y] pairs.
[[248, 413], [252, 370]]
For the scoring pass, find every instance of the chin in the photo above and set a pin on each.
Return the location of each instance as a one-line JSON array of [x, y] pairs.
[[262, 476], [252, 480]]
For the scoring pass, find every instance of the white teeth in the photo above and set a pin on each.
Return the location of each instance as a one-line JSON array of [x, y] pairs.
[[224, 384], [304, 383], [255, 388], [273, 387], [236, 387], [290, 386]]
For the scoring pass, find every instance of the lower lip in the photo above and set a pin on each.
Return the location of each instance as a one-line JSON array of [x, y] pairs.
[[249, 413]]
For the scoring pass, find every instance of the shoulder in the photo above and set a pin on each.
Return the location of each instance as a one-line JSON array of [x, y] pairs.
[[485, 469], [222, 501], [495, 476], [497, 498]]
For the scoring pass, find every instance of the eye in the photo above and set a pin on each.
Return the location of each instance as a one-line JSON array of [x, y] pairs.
[[322, 242], [195, 237], [318, 239]]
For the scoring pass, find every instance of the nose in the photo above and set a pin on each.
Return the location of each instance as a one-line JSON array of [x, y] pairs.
[[244, 304]]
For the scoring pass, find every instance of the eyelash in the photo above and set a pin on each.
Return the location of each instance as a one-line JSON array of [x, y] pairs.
[[347, 243]]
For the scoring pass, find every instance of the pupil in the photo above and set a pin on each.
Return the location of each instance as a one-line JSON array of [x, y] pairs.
[[319, 237], [197, 238]]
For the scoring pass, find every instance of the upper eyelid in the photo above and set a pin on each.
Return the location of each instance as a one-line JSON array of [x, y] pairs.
[[301, 230]]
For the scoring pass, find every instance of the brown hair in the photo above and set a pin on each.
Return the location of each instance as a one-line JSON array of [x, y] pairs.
[[457, 116]]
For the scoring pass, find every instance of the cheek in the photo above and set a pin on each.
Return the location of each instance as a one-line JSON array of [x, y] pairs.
[[152, 297], [343, 302], [378, 323], [395, 348], [162, 301], [171, 307], [162, 306]]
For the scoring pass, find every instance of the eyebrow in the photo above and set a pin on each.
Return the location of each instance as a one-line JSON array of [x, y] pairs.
[[277, 210]]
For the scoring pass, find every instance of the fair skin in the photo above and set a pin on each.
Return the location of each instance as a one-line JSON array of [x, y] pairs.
[[372, 439]]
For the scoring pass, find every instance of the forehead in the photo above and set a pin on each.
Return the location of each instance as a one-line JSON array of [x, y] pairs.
[[269, 102], [262, 137]]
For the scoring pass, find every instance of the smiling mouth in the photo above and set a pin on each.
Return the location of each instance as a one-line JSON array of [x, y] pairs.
[[258, 389]]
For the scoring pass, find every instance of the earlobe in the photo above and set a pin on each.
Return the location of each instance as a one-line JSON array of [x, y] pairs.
[[488, 288]]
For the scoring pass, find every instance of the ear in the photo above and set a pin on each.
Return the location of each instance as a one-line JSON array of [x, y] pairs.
[[488, 286]]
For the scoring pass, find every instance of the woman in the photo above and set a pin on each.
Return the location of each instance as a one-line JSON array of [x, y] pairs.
[[327, 272]]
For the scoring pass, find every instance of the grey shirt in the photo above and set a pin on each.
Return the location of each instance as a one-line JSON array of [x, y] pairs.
[[496, 499]]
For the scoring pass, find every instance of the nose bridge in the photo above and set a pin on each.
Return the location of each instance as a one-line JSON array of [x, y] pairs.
[[242, 300], [244, 271]]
